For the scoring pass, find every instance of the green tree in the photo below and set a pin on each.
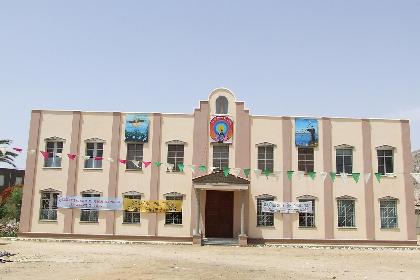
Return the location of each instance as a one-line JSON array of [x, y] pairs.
[[10, 210], [7, 157]]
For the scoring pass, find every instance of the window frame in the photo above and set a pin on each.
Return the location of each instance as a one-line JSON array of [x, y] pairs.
[[175, 159], [51, 210], [96, 164], [129, 165], [384, 157], [135, 216], [92, 213], [174, 218], [221, 162], [52, 152], [307, 216], [264, 219], [221, 103], [346, 215], [265, 161], [382, 217], [305, 161]]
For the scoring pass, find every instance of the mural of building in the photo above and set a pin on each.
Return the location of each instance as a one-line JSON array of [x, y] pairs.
[[223, 164]]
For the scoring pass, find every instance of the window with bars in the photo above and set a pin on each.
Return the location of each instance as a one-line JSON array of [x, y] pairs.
[[54, 149], [344, 161], [131, 217], [48, 210], [266, 158], [346, 213], [173, 218], [175, 155], [89, 215], [134, 153], [220, 156], [307, 219], [93, 151], [264, 219], [385, 161], [221, 105], [388, 211], [306, 159]]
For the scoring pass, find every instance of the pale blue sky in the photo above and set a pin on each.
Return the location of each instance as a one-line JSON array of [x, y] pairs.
[[314, 58]]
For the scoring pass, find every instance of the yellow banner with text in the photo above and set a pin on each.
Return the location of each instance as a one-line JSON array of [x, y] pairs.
[[152, 206]]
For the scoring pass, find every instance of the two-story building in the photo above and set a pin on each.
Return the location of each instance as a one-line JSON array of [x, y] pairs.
[[223, 164]]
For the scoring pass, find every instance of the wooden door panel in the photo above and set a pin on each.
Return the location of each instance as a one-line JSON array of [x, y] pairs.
[[219, 214]]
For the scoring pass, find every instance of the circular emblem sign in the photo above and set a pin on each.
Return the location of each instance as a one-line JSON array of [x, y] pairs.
[[221, 129]]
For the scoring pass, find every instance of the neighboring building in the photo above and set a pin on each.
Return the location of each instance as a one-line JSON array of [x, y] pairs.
[[11, 177], [416, 169], [220, 133]]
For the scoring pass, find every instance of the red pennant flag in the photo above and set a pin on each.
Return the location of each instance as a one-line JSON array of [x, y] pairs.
[[71, 156], [99, 158], [45, 154], [123, 161], [146, 163], [17, 149]]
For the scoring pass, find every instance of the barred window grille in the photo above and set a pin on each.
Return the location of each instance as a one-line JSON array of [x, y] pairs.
[[263, 218], [89, 215], [131, 217], [307, 219], [388, 210], [174, 218], [346, 213], [48, 209]]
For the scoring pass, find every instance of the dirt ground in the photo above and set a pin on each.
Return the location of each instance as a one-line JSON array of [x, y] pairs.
[[63, 260]]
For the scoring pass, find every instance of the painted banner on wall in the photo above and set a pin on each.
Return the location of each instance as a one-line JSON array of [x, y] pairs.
[[152, 206], [100, 203], [306, 132], [137, 128], [221, 129], [286, 207]]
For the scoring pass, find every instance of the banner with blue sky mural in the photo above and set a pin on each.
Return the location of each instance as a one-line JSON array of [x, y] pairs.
[[306, 132], [137, 128]]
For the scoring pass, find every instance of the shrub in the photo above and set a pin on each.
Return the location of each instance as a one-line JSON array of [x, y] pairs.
[[8, 228]]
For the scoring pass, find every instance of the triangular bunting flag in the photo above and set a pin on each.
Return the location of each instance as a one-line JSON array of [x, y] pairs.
[[17, 149], [236, 171], [257, 172], [416, 177], [290, 174], [356, 177], [192, 167], [323, 175], [170, 166], [378, 177], [123, 161], [266, 173], [45, 154], [246, 172], [203, 168], [136, 163], [71, 156], [343, 176], [333, 175], [3, 150], [86, 157], [312, 175], [58, 155], [146, 163], [157, 163], [99, 158], [367, 177], [301, 174], [181, 167], [110, 159], [226, 171], [213, 168]]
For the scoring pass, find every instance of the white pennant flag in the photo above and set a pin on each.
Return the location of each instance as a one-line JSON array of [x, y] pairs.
[[86, 157], [235, 171], [192, 167], [416, 177], [211, 169], [136, 163], [110, 159], [323, 175], [59, 155], [367, 177], [300, 174], [170, 167], [257, 172], [343, 177], [3, 150]]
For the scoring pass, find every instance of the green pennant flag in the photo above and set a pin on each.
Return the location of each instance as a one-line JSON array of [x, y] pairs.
[[312, 174], [266, 172], [290, 174], [247, 171], [181, 167], [203, 168], [157, 163], [378, 177], [333, 175], [356, 177], [226, 171]]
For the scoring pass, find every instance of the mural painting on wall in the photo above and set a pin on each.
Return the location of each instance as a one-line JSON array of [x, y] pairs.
[[137, 128], [306, 132], [221, 129]]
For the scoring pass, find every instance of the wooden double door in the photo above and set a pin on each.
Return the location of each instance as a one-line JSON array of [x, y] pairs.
[[219, 214]]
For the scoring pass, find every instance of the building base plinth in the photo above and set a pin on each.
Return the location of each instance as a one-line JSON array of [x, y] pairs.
[[197, 240], [243, 240]]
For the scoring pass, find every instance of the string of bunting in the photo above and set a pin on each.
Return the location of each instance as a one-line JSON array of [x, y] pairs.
[[226, 171]]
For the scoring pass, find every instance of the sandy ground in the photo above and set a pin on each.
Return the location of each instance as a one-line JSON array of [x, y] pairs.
[[57, 260]]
